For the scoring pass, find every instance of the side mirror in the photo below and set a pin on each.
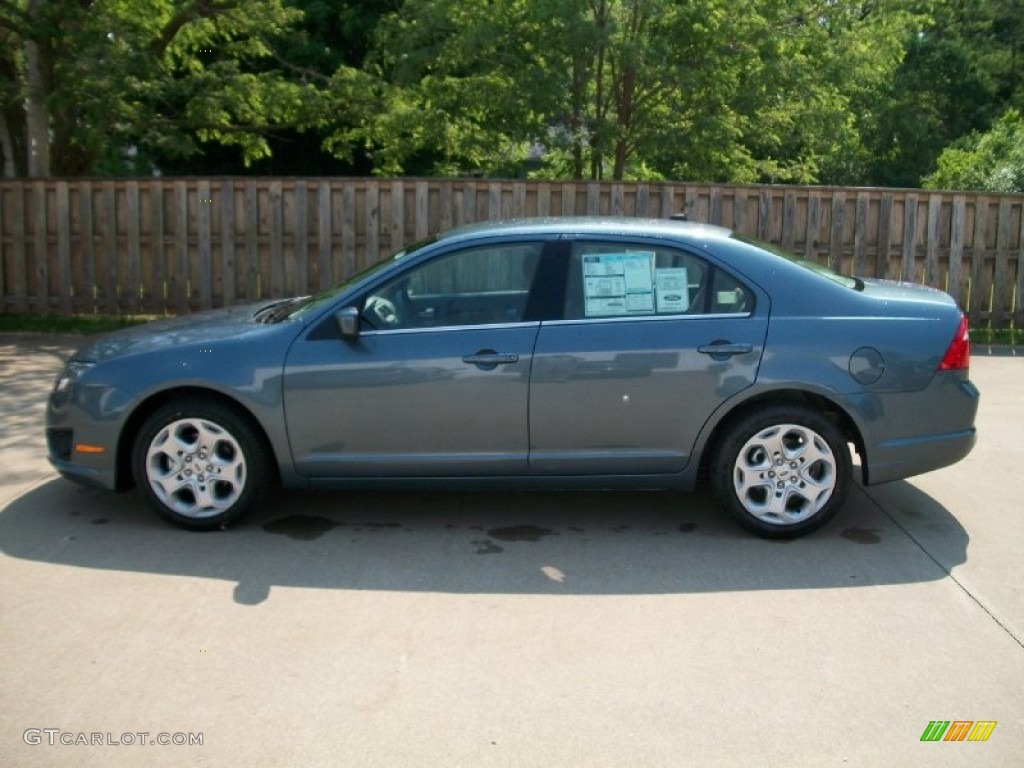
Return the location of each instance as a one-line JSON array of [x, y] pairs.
[[347, 320]]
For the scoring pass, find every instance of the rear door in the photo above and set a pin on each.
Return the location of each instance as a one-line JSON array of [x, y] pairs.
[[651, 341]]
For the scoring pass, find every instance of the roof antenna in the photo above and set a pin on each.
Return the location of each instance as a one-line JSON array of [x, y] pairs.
[[679, 217]]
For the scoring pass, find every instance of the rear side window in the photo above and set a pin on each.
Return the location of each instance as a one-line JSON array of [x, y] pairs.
[[616, 280]]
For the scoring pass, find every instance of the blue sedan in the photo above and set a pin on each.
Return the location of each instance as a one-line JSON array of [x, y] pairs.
[[548, 353]]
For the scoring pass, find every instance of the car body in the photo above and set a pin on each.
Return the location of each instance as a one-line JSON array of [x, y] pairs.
[[544, 353]]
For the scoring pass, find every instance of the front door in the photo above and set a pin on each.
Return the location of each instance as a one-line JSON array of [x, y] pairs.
[[436, 385]]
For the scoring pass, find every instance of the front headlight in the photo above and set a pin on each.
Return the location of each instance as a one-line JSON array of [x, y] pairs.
[[67, 378]]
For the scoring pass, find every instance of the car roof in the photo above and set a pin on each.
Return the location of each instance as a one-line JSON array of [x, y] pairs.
[[590, 225]]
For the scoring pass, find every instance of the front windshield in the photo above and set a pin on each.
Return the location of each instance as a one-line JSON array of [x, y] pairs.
[[813, 266], [314, 301]]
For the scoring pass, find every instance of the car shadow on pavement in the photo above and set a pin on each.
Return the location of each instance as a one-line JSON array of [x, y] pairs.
[[576, 543]]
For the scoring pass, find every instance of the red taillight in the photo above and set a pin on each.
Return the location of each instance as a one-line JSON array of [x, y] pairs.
[[958, 356]]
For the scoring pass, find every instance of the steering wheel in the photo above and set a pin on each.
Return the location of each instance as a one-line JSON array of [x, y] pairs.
[[381, 312]]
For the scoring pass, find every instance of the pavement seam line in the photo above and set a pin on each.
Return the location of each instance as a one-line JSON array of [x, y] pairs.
[[944, 569]]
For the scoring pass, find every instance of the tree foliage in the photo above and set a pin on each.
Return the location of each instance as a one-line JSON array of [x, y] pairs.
[[992, 161], [801, 91]]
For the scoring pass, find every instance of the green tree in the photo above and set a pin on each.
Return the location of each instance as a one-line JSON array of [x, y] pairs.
[[101, 77], [992, 161], [631, 88]]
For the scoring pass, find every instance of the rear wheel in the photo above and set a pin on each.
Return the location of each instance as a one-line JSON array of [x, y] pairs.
[[782, 471], [200, 463]]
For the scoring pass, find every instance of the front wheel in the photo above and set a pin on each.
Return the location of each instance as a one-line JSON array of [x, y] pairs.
[[200, 463], [782, 471]]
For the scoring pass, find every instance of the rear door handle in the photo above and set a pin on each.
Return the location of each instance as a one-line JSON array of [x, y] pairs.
[[722, 350], [488, 359]]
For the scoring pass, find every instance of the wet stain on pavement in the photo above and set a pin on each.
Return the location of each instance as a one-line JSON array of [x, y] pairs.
[[520, 533], [301, 527], [101, 521], [687, 527], [487, 547], [862, 535]]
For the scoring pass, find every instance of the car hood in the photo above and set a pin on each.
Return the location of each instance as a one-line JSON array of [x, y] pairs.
[[199, 328]]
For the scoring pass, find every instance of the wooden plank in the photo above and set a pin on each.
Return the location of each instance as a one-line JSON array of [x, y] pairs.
[[739, 211], [20, 287], [593, 198], [812, 226], [568, 199], [181, 283], [88, 256], [978, 253], [227, 242], [157, 246], [4, 189], [518, 199], [373, 254], [493, 200], [251, 267], [397, 216], [692, 204], [764, 214], [668, 201], [277, 287], [860, 235], [324, 278], [835, 244], [111, 302], [445, 218], [133, 249], [882, 265], [64, 247], [908, 264], [643, 200], [421, 221], [716, 206], [39, 247], [1003, 294], [204, 277], [348, 228], [956, 249], [931, 258], [617, 200], [300, 236], [1018, 312], [789, 220], [544, 199]]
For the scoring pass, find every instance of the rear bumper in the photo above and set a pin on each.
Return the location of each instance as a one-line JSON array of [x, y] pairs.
[[897, 459], [907, 434]]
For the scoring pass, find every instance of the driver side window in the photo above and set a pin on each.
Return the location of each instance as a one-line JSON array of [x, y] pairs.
[[484, 285]]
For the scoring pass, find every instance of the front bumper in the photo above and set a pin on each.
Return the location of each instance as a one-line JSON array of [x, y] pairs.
[[82, 435]]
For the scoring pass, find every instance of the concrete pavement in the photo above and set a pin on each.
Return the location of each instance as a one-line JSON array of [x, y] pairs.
[[531, 629]]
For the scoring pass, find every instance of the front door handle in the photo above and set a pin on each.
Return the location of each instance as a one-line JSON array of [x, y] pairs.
[[723, 350], [488, 359]]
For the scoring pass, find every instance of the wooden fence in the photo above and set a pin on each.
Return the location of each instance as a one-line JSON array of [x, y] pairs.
[[180, 245]]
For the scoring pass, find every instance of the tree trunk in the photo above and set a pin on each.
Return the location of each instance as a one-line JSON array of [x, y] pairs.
[[7, 147], [37, 119]]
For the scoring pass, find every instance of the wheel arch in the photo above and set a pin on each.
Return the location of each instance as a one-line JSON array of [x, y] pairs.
[[142, 411], [792, 396]]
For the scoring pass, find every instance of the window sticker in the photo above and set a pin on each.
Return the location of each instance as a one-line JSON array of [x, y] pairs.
[[618, 283], [672, 290]]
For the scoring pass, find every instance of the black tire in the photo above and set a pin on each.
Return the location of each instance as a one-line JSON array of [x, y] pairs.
[[200, 463], [781, 500]]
